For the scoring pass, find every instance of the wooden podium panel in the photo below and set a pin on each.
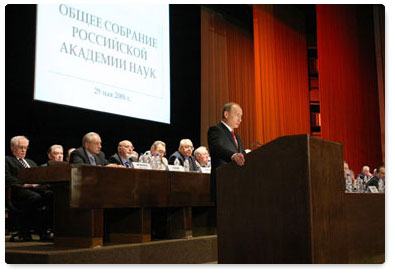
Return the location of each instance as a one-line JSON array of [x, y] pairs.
[[285, 205]]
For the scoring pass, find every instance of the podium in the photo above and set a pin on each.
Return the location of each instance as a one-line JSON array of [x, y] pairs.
[[285, 205]]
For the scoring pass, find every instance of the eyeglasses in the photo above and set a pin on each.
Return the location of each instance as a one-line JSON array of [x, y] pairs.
[[22, 147], [188, 146], [128, 146]]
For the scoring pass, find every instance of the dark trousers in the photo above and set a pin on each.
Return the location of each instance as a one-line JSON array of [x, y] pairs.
[[36, 207]]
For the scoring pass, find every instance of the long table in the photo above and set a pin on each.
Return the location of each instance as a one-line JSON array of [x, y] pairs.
[[85, 194]]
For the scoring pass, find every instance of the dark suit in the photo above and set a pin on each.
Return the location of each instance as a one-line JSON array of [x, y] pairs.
[[79, 156], [29, 200], [222, 146], [192, 163], [116, 159], [374, 181]]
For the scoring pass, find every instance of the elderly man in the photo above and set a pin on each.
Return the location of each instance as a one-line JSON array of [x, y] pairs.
[[365, 174], [159, 148], [90, 153], [201, 155], [125, 155], [55, 153], [225, 146], [185, 153], [28, 197]]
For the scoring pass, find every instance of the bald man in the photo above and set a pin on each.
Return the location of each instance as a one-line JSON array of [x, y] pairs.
[[124, 155]]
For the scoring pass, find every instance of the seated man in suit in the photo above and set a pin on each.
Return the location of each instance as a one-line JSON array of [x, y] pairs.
[[90, 153], [30, 198], [159, 148], [124, 156], [185, 152], [202, 157], [224, 145], [55, 153], [374, 181]]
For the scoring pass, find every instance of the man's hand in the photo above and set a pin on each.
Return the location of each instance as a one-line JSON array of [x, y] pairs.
[[238, 158]]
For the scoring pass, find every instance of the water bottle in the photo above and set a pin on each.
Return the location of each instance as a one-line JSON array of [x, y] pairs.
[[381, 185], [177, 162], [359, 185], [141, 158], [186, 164], [152, 161], [158, 162], [348, 183], [146, 157]]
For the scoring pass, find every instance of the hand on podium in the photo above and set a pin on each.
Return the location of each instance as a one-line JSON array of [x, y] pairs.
[[238, 158]]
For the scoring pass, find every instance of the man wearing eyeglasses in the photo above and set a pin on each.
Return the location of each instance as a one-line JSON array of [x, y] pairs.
[[125, 155], [185, 152], [26, 197]]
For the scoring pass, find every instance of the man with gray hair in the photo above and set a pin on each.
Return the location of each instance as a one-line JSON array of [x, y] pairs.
[[55, 153], [27, 197], [184, 153], [202, 156], [90, 153]]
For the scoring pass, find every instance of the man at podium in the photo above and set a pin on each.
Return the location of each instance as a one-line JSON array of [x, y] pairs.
[[224, 145]]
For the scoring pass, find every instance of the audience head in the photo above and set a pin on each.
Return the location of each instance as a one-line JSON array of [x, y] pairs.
[[125, 149], [202, 155], [380, 172], [186, 147], [346, 169], [69, 151], [366, 171], [55, 153], [19, 146], [158, 147], [92, 143], [231, 114]]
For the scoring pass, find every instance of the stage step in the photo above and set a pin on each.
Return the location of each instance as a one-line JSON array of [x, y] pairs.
[[195, 250]]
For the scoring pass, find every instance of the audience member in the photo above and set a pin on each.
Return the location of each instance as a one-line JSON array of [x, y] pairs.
[[69, 151], [30, 198], [90, 153], [124, 155], [185, 153], [55, 153], [202, 156], [374, 181], [365, 174], [159, 148]]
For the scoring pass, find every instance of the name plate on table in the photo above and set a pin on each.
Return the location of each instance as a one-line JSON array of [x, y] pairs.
[[175, 168], [139, 165], [205, 170], [373, 189]]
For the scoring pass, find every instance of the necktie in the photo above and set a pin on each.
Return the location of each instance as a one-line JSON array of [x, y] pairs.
[[92, 160], [23, 163], [234, 138], [127, 164]]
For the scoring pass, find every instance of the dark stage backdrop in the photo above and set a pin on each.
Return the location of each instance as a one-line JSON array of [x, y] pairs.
[[46, 124]]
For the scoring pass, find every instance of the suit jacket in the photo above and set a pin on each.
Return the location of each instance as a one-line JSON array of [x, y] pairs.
[[177, 154], [116, 159], [222, 146], [79, 156], [374, 181], [12, 167]]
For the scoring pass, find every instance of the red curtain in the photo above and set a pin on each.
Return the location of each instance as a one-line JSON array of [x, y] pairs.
[[281, 73], [348, 82], [227, 73]]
